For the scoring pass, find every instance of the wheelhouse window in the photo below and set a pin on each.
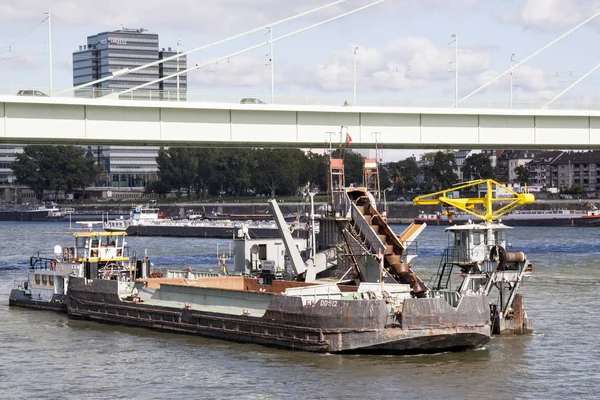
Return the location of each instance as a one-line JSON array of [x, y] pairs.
[[44, 279], [37, 279]]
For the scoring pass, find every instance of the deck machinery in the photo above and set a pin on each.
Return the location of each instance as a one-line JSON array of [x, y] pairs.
[[355, 244], [478, 253]]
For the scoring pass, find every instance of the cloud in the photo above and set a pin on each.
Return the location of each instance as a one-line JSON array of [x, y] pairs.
[[237, 72], [409, 63], [404, 63], [212, 15], [14, 60], [185, 14], [551, 15]]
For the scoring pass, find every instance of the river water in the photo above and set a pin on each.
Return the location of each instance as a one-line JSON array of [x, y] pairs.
[[45, 355]]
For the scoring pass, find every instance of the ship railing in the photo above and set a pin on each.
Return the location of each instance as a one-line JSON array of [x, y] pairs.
[[452, 256], [411, 249], [365, 230], [341, 203], [41, 261], [19, 285], [451, 296], [191, 274]]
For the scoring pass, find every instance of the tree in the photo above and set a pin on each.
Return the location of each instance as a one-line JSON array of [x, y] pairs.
[[228, 169], [314, 170], [440, 174], [177, 169], [478, 166], [277, 169], [522, 174], [54, 168], [208, 162], [404, 174], [158, 187]]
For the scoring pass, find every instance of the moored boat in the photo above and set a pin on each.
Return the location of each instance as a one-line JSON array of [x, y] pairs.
[[562, 217], [39, 213], [148, 221]]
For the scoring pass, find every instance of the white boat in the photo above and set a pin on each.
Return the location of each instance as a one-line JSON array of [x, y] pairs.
[[139, 215]]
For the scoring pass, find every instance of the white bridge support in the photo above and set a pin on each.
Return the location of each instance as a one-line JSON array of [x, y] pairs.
[[48, 120]]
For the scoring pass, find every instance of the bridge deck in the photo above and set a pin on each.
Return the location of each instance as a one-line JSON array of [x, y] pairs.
[[138, 122]]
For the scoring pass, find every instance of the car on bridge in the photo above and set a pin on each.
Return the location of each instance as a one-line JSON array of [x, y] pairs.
[[28, 92], [251, 100]]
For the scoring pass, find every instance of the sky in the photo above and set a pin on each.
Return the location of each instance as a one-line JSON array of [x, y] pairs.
[[406, 50]]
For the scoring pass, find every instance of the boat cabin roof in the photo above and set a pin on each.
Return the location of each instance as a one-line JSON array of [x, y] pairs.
[[484, 226], [94, 234]]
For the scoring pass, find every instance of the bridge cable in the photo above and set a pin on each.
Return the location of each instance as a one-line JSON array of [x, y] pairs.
[[528, 57], [185, 53], [247, 49]]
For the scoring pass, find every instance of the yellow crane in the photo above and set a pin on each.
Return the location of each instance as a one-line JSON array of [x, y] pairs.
[[485, 211]]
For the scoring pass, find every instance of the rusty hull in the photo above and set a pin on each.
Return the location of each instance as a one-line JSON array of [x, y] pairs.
[[343, 326]]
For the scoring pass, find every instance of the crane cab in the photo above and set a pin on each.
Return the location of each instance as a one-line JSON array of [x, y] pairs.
[[471, 243]]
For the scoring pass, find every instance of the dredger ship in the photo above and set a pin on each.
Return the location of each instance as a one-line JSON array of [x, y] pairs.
[[352, 291]]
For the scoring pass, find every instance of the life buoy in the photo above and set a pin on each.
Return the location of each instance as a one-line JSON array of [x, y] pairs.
[[51, 265]]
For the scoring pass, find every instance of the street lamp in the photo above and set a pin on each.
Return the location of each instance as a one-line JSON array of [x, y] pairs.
[[512, 60], [455, 37], [272, 58], [178, 59], [49, 51], [354, 80]]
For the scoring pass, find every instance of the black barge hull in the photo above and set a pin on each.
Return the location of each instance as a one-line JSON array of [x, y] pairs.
[[18, 298]]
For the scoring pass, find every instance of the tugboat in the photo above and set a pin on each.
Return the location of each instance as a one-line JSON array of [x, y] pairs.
[[104, 255]]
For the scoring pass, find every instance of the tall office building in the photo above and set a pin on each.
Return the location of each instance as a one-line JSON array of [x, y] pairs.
[[109, 53]]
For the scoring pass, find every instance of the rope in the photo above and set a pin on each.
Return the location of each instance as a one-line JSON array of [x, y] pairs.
[[572, 317]]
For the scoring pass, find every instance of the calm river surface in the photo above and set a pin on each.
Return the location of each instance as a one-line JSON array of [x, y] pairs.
[[45, 355]]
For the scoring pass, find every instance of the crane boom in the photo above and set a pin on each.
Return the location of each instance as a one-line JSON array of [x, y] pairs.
[[485, 211]]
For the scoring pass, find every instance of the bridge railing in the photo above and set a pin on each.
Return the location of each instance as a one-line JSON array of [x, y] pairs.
[[291, 99]]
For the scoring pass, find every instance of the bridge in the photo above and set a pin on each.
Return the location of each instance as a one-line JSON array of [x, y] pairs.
[[56, 120]]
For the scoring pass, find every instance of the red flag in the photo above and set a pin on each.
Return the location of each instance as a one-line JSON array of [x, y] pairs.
[[348, 139]]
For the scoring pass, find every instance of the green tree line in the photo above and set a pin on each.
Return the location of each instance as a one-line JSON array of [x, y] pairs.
[[203, 172], [54, 169]]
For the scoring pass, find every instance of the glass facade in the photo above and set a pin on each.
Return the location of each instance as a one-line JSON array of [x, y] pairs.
[[8, 153], [103, 55], [108, 52]]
